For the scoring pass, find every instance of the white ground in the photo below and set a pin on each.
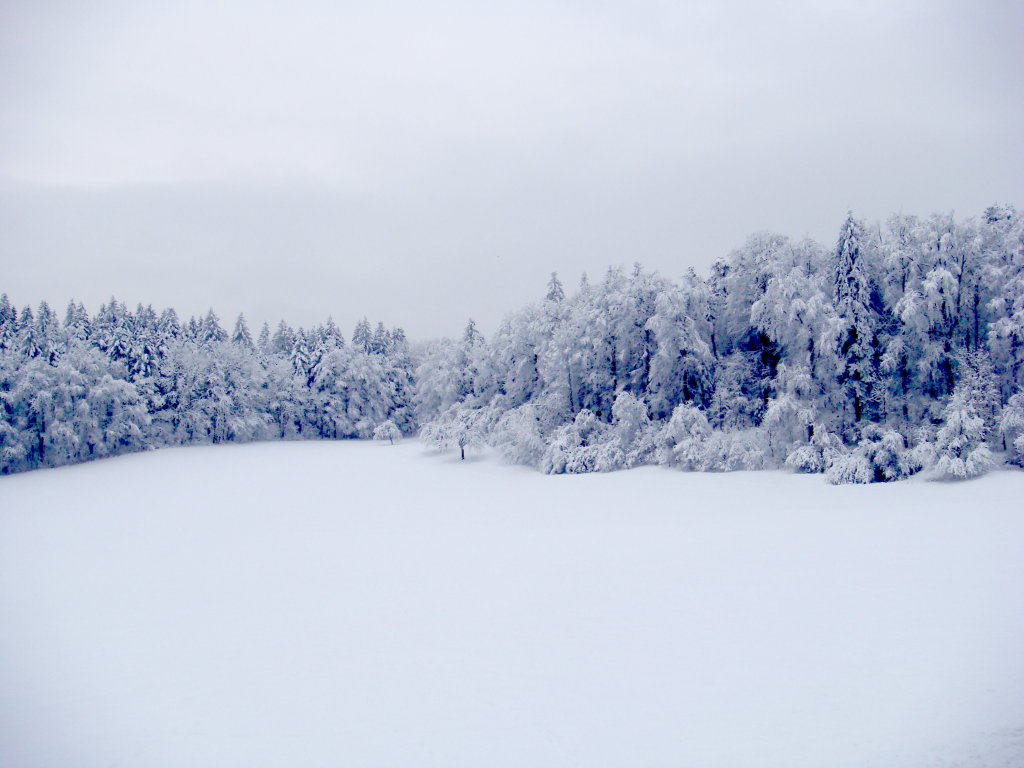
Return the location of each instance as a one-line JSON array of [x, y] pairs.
[[354, 604]]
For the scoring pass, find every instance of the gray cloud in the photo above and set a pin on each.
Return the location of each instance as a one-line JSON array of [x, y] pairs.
[[422, 163]]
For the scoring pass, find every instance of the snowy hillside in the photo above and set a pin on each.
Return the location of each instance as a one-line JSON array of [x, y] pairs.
[[358, 604]]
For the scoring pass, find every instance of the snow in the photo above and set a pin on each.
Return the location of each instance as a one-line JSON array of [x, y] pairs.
[[354, 603]]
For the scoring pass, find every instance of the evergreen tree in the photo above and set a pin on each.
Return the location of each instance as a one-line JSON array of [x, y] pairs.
[[361, 335], [29, 343], [241, 334], [284, 340], [302, 358], [379, 341], [76, 321], [556, 293], [263, 344], [211, 332], [8, 323], [47, 333], [332, 336], [854, 332], [467, 359], [168, 326]]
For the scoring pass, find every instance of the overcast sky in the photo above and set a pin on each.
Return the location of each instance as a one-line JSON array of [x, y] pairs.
[[423, 162]]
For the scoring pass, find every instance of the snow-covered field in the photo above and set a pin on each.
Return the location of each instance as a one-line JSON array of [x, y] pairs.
[[358, 604]]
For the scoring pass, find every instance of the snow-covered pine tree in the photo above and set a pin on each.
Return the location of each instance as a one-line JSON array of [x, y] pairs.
[[331, 336], [241, 335], [556, 293], [263, 342], [362, 335], [27, 340], [853, 335], [168, 326], [76, 322], [283, 341], [8, 323], [211, 331], [379, 340]]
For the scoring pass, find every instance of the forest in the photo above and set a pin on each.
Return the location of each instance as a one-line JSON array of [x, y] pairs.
[[898, 350]]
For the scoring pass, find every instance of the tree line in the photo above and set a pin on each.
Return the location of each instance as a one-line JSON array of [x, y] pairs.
[[127, 380], [899, 349]]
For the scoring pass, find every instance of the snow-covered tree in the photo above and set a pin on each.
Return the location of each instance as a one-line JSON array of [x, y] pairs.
[[881, 456], [818, 453], [680, 370], [852, 336], [362, 336], [555, 292], [960, 445], [8, 323], [681, 442], [577, 447], [517, 436], [241, 334], [458, 427], [1011, 426], [263, 342], [387, 431], [211, 331]]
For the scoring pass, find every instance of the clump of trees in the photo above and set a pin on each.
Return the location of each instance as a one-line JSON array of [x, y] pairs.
[[129, 380], [898, 350]]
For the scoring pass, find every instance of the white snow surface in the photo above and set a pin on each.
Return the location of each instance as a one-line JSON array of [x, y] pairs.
[[360, 604]]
